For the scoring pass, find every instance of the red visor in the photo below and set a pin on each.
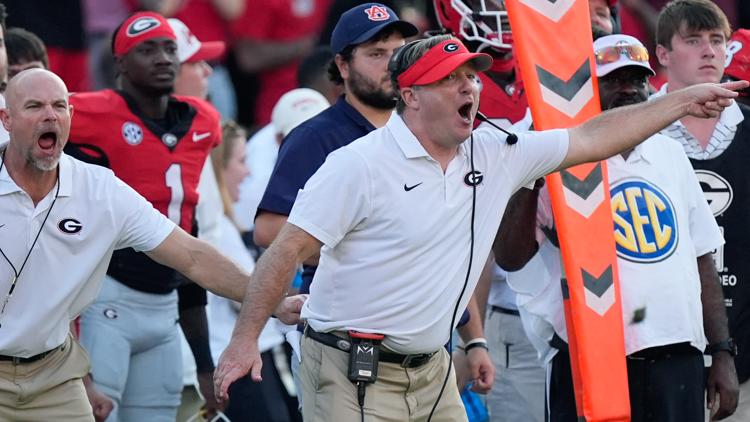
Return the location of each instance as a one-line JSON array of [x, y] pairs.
[[139, 28], [439, 61]]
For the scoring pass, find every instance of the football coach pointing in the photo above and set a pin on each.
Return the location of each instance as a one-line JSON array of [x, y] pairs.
[[60, 220], [394, 260]]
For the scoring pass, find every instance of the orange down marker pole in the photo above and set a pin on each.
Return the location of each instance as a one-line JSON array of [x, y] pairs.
[[553, 45]]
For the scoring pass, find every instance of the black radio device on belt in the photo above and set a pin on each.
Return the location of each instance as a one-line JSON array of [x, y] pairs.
[[363, 356], [364, 352]]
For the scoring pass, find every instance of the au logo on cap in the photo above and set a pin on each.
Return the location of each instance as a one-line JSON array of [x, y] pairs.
[[141, 25], [450, 47], [377, 13]]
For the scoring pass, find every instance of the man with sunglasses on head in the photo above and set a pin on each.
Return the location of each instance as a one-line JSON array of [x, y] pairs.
[[398, 217], [691, 37], [518, 389], [664, 234]]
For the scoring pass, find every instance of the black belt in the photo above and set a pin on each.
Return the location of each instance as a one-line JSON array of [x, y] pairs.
[[340, 343], [505, 310], [18, 360], [658, 353]]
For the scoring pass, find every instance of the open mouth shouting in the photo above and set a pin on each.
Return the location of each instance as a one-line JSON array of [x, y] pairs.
[[47, 142], [465, 112]]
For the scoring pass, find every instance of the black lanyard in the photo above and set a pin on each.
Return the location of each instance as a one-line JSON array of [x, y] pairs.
[[17, 274]]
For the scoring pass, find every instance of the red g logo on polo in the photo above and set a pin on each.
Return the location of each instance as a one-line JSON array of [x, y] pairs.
[[377, 13], [141, 26]]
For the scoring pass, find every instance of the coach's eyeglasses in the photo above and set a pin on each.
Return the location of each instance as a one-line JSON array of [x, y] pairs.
[[608, 55]]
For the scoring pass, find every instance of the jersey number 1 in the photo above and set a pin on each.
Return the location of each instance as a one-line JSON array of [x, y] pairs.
[[174, 183]]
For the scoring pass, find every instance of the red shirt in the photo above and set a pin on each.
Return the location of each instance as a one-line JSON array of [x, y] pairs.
[[204, 22], [278, 21], [163, 166]]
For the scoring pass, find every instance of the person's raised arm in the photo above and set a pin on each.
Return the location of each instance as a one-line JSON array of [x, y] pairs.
[[623, 128], [271, 278]]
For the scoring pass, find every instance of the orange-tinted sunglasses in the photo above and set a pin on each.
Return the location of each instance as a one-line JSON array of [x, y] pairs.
[[608, 55]]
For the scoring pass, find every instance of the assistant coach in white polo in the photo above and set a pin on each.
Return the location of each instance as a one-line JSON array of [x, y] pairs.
[[392, 212], [60, 220]]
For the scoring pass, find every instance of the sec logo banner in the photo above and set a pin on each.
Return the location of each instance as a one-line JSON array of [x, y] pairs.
[[645, 222]]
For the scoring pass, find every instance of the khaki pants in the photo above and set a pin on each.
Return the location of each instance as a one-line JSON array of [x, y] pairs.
[[49, 389], [398, 395]]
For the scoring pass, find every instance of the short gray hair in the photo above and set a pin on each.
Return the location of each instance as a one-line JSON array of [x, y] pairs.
[[405, 57]]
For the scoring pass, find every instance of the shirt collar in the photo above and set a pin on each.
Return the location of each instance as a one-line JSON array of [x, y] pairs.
[[648, 150], [66, 175], [8, 185], [343, 106], [730, 117], [404, 137], [409, 144]]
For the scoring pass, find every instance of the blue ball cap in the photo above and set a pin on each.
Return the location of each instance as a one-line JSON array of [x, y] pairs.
[[363, 22]]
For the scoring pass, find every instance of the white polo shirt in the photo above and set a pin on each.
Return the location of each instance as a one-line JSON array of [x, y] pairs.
[[396, 228], [94, 214], [662, 225]]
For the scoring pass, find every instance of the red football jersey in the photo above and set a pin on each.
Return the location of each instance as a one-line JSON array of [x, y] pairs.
[[278, 21], [503, 106], [162, 165]]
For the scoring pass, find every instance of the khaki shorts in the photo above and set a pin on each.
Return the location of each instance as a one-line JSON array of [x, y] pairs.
[[399, 394], [49, 389]]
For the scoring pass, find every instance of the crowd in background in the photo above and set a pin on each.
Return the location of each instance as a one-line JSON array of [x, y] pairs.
[[266, 39], [271, 76]]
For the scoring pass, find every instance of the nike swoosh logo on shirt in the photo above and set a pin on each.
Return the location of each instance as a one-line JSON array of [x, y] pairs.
[[408, 188], [199, 137]]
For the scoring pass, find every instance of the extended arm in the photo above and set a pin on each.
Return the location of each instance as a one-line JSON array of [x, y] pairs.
[[201, 262], [270, 281], [623, 128], [722, 375]]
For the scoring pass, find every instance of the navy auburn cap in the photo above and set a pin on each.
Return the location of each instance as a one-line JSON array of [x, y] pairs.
[[363, 22]]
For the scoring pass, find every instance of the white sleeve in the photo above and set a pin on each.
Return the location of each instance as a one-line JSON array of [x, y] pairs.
[[140, 225], [335, 199], [536, 154]]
